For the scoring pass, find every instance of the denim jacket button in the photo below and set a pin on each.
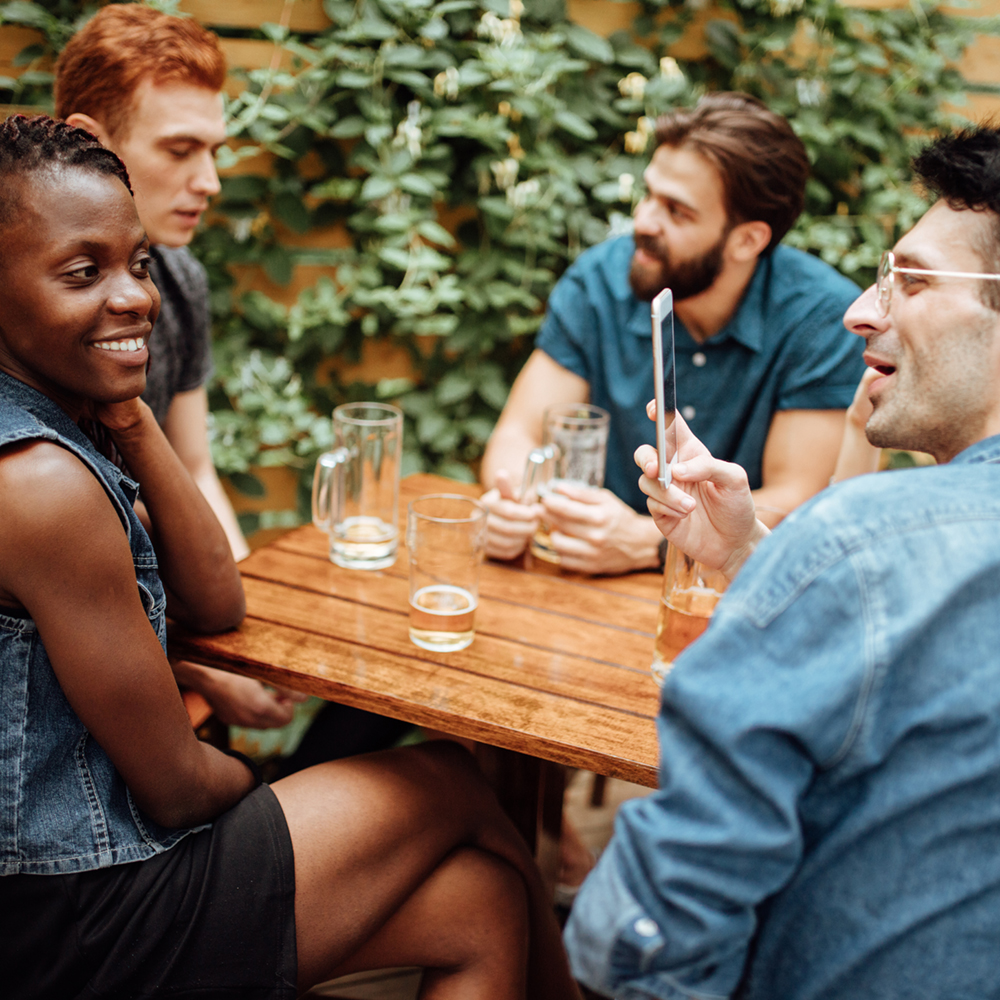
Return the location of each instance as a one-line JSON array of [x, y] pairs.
[[645, 927]]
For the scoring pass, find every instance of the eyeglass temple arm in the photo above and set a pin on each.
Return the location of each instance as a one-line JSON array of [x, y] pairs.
[[944, 274]]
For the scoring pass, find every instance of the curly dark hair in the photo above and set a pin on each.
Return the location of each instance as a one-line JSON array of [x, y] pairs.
[[28, 145], [762, 162], [964, 170]]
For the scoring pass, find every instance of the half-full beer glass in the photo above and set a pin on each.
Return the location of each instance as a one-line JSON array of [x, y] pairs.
[[690, 594], [356, 486]]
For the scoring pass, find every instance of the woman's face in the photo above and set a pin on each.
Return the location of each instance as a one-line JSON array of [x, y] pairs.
[[77, 303]]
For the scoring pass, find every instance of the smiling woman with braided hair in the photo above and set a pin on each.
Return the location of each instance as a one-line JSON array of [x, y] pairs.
[[134, 860]]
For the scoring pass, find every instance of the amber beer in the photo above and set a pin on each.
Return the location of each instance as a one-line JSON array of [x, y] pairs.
[[690, 593]]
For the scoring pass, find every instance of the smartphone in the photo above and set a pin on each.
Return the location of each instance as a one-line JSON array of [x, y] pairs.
[[665, 383]]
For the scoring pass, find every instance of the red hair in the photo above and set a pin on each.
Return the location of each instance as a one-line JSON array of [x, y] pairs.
[[123, 45]]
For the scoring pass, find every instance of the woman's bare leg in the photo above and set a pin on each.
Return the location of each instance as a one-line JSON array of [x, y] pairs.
[[378, 865], [467, 925]]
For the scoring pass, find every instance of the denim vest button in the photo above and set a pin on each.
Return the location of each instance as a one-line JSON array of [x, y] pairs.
[[645, 927]]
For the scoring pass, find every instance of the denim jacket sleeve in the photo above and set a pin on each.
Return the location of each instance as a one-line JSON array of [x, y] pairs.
[[773, 692]]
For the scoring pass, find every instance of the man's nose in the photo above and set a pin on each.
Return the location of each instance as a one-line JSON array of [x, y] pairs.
[[205, 180], [645, 218], [863, 316]]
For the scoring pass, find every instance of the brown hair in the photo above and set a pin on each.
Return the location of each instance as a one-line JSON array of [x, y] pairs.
[[762, 162], [121, 46]]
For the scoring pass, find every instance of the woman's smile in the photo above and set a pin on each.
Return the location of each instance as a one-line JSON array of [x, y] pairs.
[[79, 304]]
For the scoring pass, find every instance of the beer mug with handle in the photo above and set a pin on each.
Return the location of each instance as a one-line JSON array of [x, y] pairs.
[[355, 493]]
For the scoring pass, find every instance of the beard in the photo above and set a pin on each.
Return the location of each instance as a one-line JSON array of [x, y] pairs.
[[684, 278]]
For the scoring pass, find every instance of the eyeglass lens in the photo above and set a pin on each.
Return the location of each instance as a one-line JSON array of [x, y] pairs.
[[883, 283]]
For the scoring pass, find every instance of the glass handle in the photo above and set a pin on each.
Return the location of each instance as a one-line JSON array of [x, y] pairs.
[[325, 486], [537, 470]]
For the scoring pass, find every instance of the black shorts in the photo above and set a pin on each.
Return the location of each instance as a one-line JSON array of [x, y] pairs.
[[213, 917]]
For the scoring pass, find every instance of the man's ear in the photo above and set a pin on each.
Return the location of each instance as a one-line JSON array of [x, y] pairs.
[[748, 241], [93, 126]]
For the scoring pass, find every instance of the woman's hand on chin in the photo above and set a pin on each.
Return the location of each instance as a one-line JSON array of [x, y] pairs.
[[120, 418]]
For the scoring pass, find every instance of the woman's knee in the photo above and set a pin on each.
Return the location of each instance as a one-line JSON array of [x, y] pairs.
[[491, 904]]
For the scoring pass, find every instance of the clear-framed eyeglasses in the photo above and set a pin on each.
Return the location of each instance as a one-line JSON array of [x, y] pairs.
[[888, 269]]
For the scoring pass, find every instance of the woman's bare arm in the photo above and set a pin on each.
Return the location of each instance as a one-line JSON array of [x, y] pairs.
[[66, 560], [195, 559]]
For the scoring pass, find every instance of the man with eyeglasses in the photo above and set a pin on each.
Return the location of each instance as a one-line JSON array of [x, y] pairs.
[[829, 806]]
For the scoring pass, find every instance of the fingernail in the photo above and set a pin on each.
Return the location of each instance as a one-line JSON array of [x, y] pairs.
[[688, 503]]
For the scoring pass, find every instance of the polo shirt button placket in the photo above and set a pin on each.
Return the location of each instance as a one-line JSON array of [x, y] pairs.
[[698, 360], [688, 413]]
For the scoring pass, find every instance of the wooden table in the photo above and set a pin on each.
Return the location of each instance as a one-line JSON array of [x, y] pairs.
[[558, 673]]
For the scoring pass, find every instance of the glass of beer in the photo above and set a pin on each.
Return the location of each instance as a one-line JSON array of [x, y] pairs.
[[690, 594], [446, 541], [574, 449], [356, 486]]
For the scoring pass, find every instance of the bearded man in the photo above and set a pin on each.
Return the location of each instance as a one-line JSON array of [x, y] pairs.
[[764, 366]]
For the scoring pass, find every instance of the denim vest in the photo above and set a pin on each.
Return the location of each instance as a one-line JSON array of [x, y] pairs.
[[63, 806]]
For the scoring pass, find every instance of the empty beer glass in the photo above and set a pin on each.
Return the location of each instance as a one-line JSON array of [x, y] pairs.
[[356, 486]]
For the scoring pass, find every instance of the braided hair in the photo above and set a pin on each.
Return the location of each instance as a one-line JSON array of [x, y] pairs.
[[29, 145]]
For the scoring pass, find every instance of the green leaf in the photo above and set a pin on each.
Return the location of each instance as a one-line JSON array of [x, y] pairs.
[[409, 78], [291, 211], [457, 471], [453, 388], [575, 125], [416, 184], [375, 188], [278, 264], [400, 259], [589, 45], [247, 484], [431, 425], [435, 232], [351, 79], [349, 127], [244, 187]]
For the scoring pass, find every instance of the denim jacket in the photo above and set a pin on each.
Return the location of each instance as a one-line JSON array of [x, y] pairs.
[[63, 806], [827, 825]]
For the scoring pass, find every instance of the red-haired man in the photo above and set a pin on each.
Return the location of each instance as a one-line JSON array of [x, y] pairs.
[[149, 85]]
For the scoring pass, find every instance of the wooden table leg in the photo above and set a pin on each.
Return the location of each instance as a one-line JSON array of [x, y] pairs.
[[531, 793]]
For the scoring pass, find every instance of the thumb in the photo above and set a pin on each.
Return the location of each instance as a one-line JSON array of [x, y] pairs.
[[504, 485]]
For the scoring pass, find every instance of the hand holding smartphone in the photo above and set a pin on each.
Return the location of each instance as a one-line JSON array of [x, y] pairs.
[[664, 383]]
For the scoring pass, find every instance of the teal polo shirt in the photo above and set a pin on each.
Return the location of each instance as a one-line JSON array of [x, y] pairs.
[[785, 348]]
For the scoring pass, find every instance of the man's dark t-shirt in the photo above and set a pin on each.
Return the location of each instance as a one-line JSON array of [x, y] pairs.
[[180, 345]]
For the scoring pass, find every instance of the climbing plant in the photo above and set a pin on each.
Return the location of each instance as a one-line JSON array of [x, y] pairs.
[[439, 163]]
